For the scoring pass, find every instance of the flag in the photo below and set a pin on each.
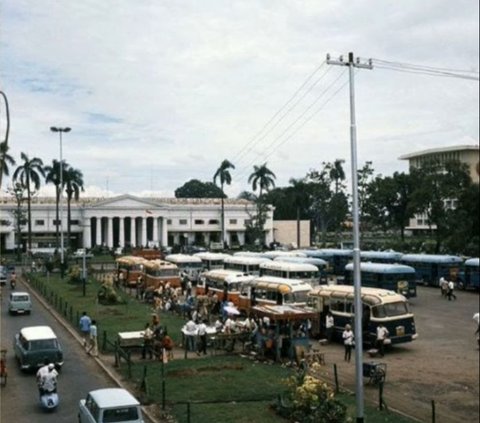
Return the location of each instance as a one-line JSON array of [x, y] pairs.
[[148, 211]]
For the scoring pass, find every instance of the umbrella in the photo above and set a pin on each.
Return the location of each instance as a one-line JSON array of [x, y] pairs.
[[231, 310]]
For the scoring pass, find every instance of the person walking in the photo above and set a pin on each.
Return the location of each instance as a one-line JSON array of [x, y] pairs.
[[450, 294], [93, 347], [443, 286], [147, 342], [202, 337], [329, 326], [348, 342], [84, 324], [382, 335]]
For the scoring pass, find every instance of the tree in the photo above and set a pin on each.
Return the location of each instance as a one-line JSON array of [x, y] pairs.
[[300, 195], [247, 195], [365, 176], [197, 189], [53, 176], [26, 174], [224, 176], [73, 180], [5, 160], [262, 178], [18, 192]]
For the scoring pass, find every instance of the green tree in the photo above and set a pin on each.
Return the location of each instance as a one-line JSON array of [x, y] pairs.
[[18, 213], [27, 174], [247, 195], [197, 189], [301, 198], [223, 174], [439, 186], [6, 160], [73, 180], [53, 176], [365, 177], [263, 179]]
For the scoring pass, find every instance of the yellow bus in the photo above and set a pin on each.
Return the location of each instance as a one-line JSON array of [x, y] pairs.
[[223, 283], [161, 272], [131, 267]]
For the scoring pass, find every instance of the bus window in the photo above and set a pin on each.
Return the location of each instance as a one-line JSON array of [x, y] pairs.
[[378, 311], [395, 309]]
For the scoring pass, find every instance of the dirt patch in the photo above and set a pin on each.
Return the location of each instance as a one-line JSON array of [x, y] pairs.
[[205, 370]]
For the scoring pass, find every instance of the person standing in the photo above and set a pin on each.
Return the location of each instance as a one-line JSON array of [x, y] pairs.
[[329, 326], [147, 342], [443, 286], [450, 294], [202, 337], [93, 347], [382, 335], [348, 342], [84, 324]]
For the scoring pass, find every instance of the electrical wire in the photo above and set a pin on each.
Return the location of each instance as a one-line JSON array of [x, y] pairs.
[[402, 64]]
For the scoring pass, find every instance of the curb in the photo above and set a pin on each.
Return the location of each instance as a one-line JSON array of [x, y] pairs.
[[66, 325]]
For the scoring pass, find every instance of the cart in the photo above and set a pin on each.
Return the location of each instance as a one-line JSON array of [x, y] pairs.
[[3, 367], [376, 372]]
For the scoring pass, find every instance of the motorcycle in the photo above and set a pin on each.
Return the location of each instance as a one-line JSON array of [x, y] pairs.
[[49, 400]]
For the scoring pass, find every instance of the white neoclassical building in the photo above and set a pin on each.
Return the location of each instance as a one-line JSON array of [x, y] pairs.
[[127, 220]]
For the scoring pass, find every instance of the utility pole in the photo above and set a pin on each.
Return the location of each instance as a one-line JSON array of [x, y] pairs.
[[352, 63]]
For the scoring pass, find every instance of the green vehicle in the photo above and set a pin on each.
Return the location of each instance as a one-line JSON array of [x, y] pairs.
[[20, 303], [35, 344]]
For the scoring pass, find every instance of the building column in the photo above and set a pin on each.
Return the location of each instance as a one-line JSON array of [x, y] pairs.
[[110, 232], [164, 232], [99, 231], [155, 231], [87, 234], [121, 239], [133, 232], [144, 232], [241, 238]]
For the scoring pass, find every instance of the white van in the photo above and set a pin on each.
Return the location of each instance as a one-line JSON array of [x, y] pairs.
[[20, 303], [110, 405]]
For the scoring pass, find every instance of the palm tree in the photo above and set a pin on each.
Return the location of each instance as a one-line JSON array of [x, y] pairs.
[[225, 178], [27, 174], [263, 178], [299, 192], [5, 160], [336, 173], [73, 180], [53, 176]]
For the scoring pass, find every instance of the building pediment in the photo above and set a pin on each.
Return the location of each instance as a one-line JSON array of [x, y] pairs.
[[126, 201]]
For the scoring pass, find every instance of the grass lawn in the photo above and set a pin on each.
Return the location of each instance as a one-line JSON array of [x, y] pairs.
[[211, 378]]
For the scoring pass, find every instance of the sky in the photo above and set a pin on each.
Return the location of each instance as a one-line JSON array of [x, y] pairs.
[[161, 92]]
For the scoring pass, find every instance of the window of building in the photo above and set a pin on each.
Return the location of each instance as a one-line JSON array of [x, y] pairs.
[[419, 221], [213, 222], [248, 221], [182, 221], [232, 221], [40, 222], [74, 222], [57, 222], [169, 221], [4, 222], [199, 222]]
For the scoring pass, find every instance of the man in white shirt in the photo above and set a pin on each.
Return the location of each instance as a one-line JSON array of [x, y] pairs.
[[190, 332], [202, 337], [49, 379], [450, 293], [382, 335], [329, 325]]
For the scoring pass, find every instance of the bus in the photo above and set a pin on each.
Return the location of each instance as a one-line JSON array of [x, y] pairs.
[[223, 283], [212, 260], [161, 272], [429, 268], [319, 263], [337, 258], [190, 266], [245, 264], [272, 290], [469, 276], [131, 267], [378, 306], [283, 269], [395, 277], [278, 253], [381, 256]]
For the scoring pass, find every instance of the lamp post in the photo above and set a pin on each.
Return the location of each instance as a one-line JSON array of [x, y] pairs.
[[60, 131]]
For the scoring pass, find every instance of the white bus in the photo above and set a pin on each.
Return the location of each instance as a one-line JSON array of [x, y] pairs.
[[191, 266], [283, 269], [245, 264], [271, 290], [212, 260]]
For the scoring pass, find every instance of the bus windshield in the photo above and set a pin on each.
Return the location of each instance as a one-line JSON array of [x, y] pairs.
[[390, 309]]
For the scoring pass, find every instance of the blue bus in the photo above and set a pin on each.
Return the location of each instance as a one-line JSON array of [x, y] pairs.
[[429, 268], [381, 256], [469, 277], [394, 277], [337, 258]]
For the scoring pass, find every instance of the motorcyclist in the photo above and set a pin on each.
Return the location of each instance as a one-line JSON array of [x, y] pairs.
[[49, 380], [42, 371], [13, 280]]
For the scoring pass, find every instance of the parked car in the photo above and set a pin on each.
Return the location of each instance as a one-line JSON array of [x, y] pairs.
[[3, 275], [110, 405], [19, 303], [34, 344]]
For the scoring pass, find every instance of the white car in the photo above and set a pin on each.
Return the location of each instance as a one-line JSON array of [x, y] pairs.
[[110, 405], [19, 302]]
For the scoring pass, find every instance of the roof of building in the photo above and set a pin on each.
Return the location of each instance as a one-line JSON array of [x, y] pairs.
[[439, 150]]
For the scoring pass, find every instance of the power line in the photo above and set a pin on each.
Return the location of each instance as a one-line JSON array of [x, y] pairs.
[[402, 64], [281, 108]]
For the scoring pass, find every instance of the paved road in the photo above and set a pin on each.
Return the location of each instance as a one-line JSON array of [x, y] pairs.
[[19, 399]]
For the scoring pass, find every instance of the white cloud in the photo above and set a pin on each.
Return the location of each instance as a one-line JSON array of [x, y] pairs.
[[158, 93]]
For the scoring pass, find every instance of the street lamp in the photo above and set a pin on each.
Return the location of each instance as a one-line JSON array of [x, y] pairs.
[[60, 131]]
